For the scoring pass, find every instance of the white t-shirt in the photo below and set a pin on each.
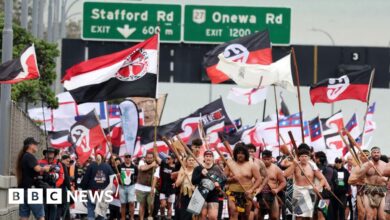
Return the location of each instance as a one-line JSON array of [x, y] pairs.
[[144, 188]]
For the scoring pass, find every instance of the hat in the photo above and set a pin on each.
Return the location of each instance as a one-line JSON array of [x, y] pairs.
[[208, 152], [127, 154], [30, 140], [65, 156], [50, 150]]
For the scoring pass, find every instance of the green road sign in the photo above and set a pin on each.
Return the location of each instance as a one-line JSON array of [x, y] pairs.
[[127, 21], [223, 23]]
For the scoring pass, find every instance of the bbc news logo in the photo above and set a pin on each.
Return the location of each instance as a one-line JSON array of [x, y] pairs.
[[54, 196]]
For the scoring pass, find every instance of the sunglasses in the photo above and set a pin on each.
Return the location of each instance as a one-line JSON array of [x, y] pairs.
[[127, 156]]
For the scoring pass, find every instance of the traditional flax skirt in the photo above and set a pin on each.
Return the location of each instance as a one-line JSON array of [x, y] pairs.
[[375, 194], [303, 201]]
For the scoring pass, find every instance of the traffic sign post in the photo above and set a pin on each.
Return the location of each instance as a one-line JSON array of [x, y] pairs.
[[126, 21], [216, 24]]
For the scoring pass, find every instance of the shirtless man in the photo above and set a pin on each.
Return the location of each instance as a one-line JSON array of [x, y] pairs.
[[303, 191], [276, 183], [241, 173], [375, 190], [263, 173], [359, 183]]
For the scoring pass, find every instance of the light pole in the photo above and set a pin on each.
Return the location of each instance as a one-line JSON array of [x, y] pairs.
[[333, 44], [64, 13], [5, 101]]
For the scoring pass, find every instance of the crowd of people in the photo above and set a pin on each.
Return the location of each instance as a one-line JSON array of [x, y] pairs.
[[300, 184]]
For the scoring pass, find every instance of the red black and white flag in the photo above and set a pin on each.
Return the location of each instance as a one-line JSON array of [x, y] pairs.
[[23, 68], [59, 139], [86, 135], [212, 115], [127, 73], [251, 49], [355, 85]]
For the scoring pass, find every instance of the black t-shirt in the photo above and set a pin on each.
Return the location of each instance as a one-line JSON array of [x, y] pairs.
[[165, 174], [28, 172], [97, 176], [128, 174]]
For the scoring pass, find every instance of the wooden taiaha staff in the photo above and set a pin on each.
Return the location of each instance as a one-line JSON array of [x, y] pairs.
[[226, 145], [202, 134], [352, 140], [368, 101], [174, 150], [350, 150], [299, 93]]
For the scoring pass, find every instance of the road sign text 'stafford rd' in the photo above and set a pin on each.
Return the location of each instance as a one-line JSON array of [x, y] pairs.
[[124, 21]]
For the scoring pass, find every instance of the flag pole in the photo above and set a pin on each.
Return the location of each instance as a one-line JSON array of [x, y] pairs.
[[277, 117], [299, 93], [44, 123], [156, 121], [368, 102], [109, 129], [264, 108]]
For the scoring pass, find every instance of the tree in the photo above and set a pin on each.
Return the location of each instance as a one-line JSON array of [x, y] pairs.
[[34, 91]]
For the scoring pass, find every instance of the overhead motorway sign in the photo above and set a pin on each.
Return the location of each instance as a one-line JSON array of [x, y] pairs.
[[129, 21], [215, 24]]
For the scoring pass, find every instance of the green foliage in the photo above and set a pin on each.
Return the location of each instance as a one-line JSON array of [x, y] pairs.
[[34, 91]]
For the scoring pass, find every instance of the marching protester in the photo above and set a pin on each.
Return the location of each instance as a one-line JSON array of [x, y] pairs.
[[146, 183], [359, 182], [241, 188], [263, 173], [184, 183], [63, 209], [351, 195], [213, 179], [27, 170], [96, 179], [330, 175], [128, 173], [341, 189], [376, 185], [167, 191], [304, 193], [268, 197], [115, 205], [53, 179]]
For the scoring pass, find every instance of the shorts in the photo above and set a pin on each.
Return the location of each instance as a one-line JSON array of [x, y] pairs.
[[171, 198], [143, 197], [127, 194], [38, 210]]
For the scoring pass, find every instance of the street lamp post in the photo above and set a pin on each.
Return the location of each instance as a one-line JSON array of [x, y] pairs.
[[333, 44], [5, 101]]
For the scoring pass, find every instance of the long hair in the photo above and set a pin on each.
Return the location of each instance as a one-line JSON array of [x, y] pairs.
[[240, 148], [19, 164]]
